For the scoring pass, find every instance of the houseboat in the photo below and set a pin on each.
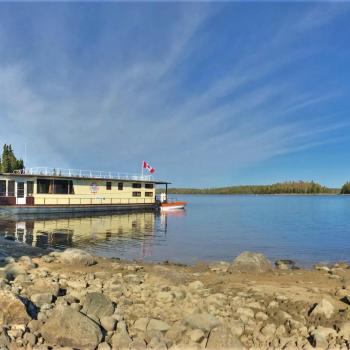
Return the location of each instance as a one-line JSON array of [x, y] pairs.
[[53, 190]]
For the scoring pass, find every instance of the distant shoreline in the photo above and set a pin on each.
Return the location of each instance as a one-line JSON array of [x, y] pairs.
[[281, 188]]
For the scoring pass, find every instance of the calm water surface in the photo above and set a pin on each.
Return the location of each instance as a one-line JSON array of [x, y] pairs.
[[307, 229]]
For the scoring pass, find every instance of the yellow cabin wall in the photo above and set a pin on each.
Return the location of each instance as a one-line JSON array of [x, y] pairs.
[[83, 195]]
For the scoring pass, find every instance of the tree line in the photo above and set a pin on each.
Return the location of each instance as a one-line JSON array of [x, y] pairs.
[[291, 187], [8, 161]]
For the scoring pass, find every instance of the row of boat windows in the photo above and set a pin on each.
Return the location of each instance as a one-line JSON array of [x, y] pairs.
[[11, 188], [45, 186], [120, 185]]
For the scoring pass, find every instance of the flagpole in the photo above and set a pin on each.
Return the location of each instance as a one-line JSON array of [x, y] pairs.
[[142, 171]]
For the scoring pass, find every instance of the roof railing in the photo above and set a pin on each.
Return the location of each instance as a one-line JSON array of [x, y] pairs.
[[47, 171]]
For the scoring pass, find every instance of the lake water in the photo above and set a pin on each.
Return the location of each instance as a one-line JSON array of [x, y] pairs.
[[307, 229]]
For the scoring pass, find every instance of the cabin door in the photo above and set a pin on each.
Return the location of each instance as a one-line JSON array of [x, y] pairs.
[[20, 197]]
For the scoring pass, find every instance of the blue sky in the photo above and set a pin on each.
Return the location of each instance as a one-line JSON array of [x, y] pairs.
[[211, 94]]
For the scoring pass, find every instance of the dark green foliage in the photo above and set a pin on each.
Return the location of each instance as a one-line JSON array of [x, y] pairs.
[[293, 187], [9, 162], [346, 188]]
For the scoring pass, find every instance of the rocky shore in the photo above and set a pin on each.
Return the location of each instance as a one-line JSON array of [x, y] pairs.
[[73, 300]]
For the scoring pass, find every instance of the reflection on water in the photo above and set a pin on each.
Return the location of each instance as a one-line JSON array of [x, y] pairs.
[[130, 235], [307, 229]]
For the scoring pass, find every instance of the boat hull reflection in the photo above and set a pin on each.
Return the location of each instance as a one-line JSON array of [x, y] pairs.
[[62, 231]]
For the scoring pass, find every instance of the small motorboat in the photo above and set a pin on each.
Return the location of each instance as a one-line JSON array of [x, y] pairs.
[[172, 205]]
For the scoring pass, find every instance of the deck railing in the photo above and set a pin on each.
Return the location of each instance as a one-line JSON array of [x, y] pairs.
[[46, 171]]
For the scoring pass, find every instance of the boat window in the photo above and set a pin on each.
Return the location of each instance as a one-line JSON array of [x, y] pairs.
[[136, 185], [60, 187], [44, 186], [3, 188], [30, 188], [71, 187], [11, 188], [120, 186], [149, 185], [136, 194], [148, 194], [108, 185]]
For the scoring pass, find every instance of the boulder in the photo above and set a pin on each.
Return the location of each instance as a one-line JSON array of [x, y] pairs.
[[12, 310], [75, 256], [344, 330], [4, 340], [250, 262], [97, 305], [67, 327], [40, 299], [323, 308], [321, 335], [43, 286], [203, 321], [157, 325], [121, 340], [223, 338]]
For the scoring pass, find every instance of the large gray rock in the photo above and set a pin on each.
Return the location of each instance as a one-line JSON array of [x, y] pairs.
[[43, 286], [223, 338], [157, 325], [203, 321], [12, 310], [98, 305], [67, 327], [324, 308], [250, 262], [75, 256]]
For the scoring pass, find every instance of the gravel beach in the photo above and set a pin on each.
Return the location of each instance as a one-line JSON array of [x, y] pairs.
[[73, 300]]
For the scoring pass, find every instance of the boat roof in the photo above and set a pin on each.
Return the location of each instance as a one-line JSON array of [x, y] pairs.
[[58, 173]]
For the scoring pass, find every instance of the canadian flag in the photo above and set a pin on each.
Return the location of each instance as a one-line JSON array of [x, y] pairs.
[[148, 167]]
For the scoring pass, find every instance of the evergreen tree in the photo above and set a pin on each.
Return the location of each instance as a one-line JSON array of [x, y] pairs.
[[9, 162], [346, 188]]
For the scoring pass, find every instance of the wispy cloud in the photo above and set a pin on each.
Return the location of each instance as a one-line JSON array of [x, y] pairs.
[[251, 109]]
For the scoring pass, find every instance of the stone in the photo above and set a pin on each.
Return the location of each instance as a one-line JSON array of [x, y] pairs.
[[261, 316], [204, 321], [223, 338], [141, 324], [4, 340], [165, 297], [196, 285], [344, 330], [285, 264], [157, 325], [42, 285], [196, 335], [217, 299], [13, 270], [12, 310], [121, 340], [103, 346], [320, 336], [138, 344], [108, 323], [269, 330], [250, 262], [98, 305], [219, 266], [324, 308], [29, 338], [75, 256], [41, 298], [67, 327]]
